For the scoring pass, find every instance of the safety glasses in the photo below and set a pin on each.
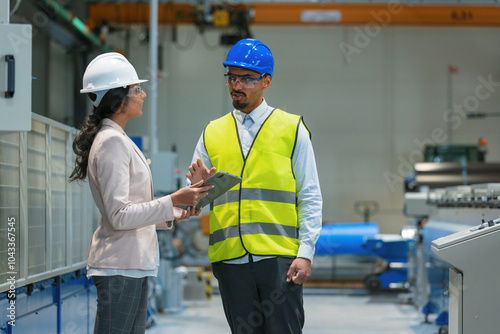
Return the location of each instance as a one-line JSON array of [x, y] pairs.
[[245, 82], [135, 91]]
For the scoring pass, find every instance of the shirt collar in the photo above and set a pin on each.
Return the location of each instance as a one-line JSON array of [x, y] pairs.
[[255, 115]]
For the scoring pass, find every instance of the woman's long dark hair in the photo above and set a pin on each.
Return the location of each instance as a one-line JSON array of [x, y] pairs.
[[109, 104]]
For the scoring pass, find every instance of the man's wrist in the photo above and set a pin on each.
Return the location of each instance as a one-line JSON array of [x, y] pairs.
[[306, 252]]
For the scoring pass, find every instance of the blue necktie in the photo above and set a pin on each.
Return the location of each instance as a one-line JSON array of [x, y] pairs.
[[247, 122]]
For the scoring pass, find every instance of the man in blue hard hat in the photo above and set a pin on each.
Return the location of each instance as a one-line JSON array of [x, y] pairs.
[[263, 231]]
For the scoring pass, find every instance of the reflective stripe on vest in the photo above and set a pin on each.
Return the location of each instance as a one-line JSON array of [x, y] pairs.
[[256, 194], [259, 215], [253, 228]]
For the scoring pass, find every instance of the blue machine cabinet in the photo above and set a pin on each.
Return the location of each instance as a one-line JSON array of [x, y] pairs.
[[62, 304], [363, 239], [394, 250]]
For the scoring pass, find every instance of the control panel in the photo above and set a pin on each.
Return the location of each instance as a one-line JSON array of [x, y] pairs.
[[473, 296], [482, 229]]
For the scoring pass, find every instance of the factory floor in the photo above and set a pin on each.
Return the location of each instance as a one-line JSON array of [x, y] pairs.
[[335, 311]]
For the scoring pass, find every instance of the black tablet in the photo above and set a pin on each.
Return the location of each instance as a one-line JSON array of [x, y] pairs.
[[222, 181]]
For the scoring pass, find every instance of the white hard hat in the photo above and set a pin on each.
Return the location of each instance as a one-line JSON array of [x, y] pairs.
[[107, 71]]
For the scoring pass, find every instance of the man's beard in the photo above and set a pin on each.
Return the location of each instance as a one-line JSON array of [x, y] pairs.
[[239, 106]]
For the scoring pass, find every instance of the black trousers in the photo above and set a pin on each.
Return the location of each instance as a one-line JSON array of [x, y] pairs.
[[257, 299], [121, 304]]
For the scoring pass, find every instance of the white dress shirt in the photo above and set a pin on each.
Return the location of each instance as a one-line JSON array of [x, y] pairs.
[[309, 200]]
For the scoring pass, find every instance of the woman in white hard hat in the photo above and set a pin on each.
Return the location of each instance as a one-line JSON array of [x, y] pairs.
[[123, 251]]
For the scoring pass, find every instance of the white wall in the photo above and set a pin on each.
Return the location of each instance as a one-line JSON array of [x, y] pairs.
[[368, 111]]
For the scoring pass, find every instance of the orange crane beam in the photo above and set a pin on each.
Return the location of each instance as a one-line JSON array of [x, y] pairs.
[[382, 14], [390, 14]]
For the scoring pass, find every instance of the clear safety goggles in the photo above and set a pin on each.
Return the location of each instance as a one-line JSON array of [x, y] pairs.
[[135, 91], [245, 82]]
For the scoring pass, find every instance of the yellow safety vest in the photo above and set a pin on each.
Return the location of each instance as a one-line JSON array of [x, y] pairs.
[[257, 216]]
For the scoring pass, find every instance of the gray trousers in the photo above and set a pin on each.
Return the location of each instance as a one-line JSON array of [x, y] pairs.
[[257, 299], [121, 304]]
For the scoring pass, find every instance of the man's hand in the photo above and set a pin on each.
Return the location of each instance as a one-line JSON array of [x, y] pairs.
[[198, 172], [300, 271]]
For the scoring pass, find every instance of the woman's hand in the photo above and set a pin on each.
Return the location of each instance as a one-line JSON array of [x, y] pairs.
[[190, 196], [180, 214], [198, 171]]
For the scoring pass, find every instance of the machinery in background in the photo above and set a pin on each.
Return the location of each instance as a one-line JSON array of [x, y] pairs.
[[395, 251], [473, 307], [443, 212], [456, 153], [357, 252], [340, 255], [440, 183], [382, 258], [452, 165], [48, 224], [430, 175], [417, 206], [232, 20]]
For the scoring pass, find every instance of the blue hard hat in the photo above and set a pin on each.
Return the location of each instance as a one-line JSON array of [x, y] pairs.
[[252, 54]]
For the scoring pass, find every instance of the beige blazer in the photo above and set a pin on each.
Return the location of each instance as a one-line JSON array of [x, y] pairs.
[[122, 187]]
